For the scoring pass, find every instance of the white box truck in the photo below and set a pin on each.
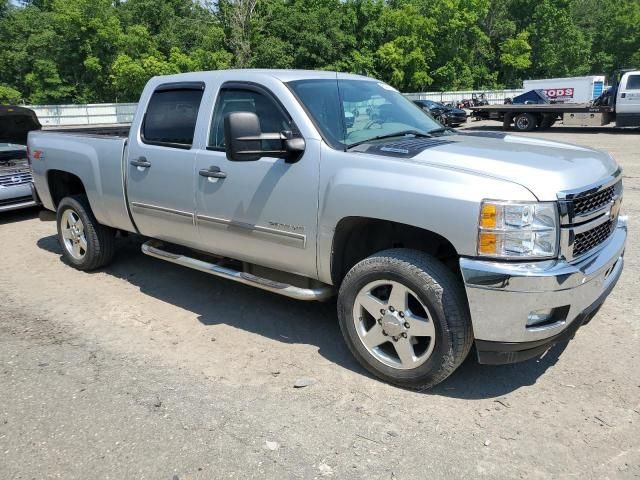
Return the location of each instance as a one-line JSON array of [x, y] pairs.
[[570, 89]]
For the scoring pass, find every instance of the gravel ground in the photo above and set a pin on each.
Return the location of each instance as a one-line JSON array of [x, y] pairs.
[[147, 370]]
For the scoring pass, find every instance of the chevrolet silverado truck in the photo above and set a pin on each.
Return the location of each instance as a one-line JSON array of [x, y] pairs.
[[432, 240]]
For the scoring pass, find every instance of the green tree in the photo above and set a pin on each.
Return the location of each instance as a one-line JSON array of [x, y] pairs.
[[9, 95], [515, 56], [559, 47]]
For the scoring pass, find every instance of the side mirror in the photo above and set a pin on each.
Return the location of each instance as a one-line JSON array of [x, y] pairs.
[[245, 142]]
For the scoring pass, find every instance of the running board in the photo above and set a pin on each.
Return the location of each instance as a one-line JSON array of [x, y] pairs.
[[153, 249]]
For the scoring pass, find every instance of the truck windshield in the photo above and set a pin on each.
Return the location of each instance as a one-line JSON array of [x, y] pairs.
[[350, 112]]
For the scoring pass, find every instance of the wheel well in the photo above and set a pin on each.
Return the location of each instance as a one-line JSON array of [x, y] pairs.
[[63, 184], [356, 238]]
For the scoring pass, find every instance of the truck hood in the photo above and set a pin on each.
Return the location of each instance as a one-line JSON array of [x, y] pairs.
[[544, 167], [16, 123]]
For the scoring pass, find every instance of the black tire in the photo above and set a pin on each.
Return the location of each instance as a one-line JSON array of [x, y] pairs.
[[100, 239], [525, 122], [507, 120], [437, 288], [547, 122]]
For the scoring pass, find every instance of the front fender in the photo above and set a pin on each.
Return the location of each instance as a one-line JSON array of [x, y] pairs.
[[442, 200]]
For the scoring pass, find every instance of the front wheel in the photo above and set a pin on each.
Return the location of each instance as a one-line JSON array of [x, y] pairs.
[[86, 244], [404, 316]]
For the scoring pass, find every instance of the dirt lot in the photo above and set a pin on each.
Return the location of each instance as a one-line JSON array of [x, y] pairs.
[[148, 370]]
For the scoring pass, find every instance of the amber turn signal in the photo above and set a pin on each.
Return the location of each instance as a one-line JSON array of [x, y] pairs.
[[488, 215], [487, 243]]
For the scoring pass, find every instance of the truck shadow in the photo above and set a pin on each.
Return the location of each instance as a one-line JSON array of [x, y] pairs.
[[217, 301], [14, 216]]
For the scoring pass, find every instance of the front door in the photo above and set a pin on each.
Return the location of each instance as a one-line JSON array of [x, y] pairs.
[[160, 165], [263, 211], [628, 101]]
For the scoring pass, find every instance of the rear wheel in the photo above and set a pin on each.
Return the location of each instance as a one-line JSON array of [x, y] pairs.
[[404, 317], [85, 243], [507, 120], [525, 122], [547, 122]]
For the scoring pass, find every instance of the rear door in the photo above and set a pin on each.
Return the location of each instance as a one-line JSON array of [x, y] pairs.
[[160, 164]]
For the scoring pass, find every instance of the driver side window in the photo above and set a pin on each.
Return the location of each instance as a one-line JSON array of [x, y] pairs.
[[272, 118]]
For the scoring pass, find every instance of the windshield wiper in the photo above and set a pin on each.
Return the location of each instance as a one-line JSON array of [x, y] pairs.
[[415, 133]]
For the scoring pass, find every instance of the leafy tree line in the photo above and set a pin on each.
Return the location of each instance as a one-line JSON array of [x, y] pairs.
[[58, 51]]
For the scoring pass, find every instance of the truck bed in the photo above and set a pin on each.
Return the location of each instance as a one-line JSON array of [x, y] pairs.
[[96, 159]]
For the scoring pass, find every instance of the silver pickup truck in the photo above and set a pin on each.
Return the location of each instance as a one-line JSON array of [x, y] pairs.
[[314, 184]]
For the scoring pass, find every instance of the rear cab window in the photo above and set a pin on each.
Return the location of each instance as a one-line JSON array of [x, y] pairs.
[[633, 82], [172, 112]]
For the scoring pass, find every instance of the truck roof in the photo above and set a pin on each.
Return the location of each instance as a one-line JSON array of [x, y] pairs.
[[245, 74]]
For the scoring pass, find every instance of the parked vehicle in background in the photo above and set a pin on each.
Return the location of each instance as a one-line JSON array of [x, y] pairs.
[[433, 240], [16, 187], [619, 105], [15, 178], [446, 115]]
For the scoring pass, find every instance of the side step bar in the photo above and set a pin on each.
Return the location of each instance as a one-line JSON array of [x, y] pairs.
[[153, 249]]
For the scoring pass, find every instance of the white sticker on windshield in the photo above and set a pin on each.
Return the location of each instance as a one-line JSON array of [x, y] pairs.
[[387, 87]]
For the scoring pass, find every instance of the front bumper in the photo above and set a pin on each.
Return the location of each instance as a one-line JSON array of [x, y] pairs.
[[503, 295], [19, 196]]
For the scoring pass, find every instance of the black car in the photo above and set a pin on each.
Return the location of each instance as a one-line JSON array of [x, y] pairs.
[[449, 116]]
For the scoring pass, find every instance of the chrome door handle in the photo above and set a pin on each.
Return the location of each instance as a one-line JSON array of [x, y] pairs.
[[140, 162], [212, 172]]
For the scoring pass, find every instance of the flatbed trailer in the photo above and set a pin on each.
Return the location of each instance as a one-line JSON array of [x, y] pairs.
[[529, 117], [620, 105]]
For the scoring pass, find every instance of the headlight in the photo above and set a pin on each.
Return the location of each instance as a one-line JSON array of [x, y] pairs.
[[518, 229]]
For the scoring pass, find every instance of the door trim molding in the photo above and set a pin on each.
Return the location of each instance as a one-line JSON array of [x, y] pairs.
[[157, 208], [298, 238]]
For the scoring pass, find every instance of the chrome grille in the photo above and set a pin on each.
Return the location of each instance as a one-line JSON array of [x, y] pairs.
[[596, 201], [585, 241], [15, 172], [589, 216], [14, 179]]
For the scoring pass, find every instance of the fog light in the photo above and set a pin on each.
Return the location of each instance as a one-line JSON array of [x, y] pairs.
[[548, 316], [540, 316]]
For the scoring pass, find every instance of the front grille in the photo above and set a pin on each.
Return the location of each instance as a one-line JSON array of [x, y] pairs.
[[585, 241], [593, 202], [14, 179]]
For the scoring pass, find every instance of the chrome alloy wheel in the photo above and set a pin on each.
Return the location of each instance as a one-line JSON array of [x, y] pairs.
[[73, 235], [394, 325]]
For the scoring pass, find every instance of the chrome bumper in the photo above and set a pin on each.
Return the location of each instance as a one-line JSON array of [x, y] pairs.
[[503, 295], [19, 196]]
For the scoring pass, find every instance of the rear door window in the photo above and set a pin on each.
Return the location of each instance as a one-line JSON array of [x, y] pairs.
[[171, 116]]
